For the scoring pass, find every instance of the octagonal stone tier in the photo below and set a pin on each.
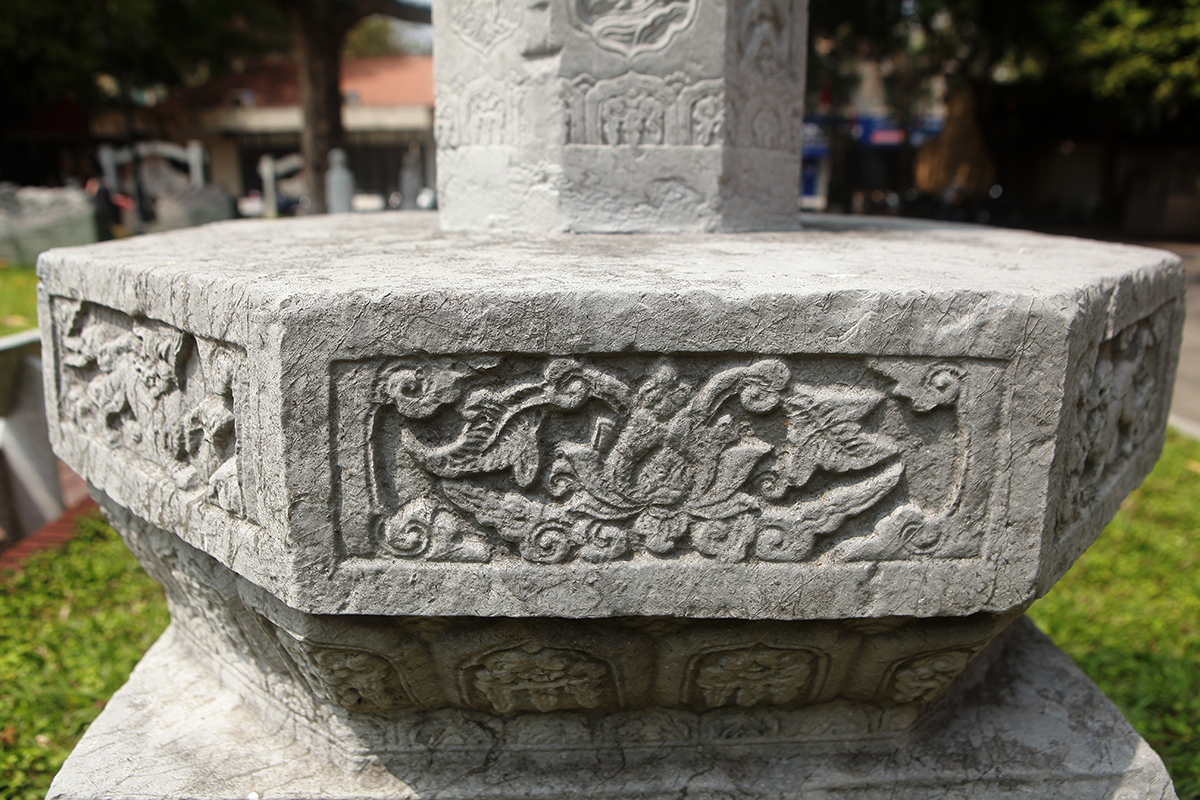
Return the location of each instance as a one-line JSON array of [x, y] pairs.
[[362, 415]]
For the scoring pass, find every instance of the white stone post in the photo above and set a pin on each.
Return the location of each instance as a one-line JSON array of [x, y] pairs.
[[586, 115], [339, 183], [266, 171], [196, 158]]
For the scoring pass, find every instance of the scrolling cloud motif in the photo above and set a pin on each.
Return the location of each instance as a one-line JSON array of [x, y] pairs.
[[659, 467]]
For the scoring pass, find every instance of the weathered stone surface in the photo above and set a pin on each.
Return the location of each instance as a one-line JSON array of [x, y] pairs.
[[365, 416], [589, 115], [863, 680], [1024, 723]]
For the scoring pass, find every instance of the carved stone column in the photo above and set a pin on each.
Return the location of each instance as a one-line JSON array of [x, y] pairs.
[[594, 115], [639, 516]]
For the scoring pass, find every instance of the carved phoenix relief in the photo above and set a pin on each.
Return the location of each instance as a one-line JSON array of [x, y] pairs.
[[580, 462]]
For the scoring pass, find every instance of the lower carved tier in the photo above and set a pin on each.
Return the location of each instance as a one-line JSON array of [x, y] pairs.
[[388, 683]]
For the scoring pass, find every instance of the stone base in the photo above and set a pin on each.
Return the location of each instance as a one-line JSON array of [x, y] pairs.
[[1024, 723]]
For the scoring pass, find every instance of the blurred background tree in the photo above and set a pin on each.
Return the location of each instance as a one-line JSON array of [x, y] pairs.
[[1014, 76], [84, 49]]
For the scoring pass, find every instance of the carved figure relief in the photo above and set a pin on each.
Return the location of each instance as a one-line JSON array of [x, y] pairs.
[[631, 110], [483, 23], [702, 110], [487, 117], [150, 389], [631, 27], [563, 459], [764, 35]]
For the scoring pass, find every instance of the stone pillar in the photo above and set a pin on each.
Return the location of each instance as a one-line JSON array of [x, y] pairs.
[[590, 115], [741, 516]]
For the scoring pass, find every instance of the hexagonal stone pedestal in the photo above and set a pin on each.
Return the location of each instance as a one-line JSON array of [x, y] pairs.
[[730, 514]]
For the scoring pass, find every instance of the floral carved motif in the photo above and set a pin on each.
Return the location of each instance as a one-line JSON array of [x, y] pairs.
[[565, 459], [754, 676], [533, 677], [1117, 403], [922, 678]]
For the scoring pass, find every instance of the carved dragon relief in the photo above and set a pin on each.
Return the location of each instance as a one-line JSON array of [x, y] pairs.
[[577, 461], [152, 390]]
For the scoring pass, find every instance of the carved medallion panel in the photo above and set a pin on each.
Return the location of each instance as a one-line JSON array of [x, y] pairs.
[[512, 667], [473, 459]]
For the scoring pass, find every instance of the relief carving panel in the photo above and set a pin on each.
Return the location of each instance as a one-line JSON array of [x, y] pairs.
[[1118, 401], [483, 23], [160, 394], [631, 27], [550, 460]]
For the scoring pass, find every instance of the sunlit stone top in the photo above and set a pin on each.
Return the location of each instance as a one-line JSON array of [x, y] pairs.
[[364, 415]]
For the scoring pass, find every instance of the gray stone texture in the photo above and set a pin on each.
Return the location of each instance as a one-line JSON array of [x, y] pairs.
[[365, 416], [589, 115], [1023, 722], [475, 515]]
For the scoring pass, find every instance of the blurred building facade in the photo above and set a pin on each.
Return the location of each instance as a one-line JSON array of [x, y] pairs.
[[388, 120]]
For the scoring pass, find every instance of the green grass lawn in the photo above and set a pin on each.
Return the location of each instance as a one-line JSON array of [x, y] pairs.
[[18, 298], [73, 624]]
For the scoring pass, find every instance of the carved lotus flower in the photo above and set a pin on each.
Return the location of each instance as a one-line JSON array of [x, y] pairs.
[[665, 463], [673, 467]]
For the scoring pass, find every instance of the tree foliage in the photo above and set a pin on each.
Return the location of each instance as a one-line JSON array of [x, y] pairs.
[[50, 48], [1142, 53]]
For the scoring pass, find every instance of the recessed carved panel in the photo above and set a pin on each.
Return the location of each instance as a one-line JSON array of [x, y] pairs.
[[764, 35], [612, 459], [1117, 401], [515, 667], [156, 393], [356, 680], [922, 678]]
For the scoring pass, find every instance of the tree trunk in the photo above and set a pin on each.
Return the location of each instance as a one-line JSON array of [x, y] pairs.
[[320, 28]]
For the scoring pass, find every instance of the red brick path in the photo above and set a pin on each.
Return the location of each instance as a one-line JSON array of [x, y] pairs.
[[52, 534]]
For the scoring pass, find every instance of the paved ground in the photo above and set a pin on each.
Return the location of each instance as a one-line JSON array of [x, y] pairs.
[[1185, 405]]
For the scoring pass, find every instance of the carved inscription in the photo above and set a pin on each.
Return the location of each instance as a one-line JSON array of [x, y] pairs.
[[562, 459], [631, 27], [154, 391]]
